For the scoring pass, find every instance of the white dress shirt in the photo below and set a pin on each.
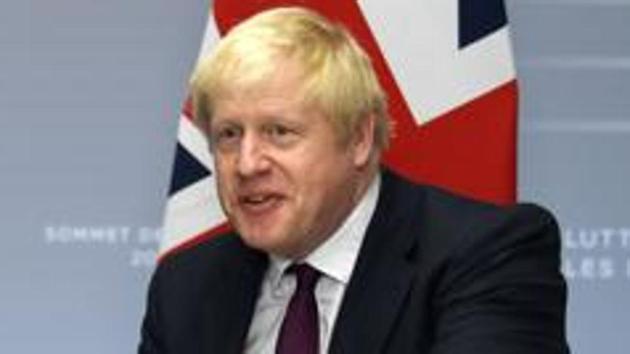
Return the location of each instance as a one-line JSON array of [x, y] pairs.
[[335, 259]]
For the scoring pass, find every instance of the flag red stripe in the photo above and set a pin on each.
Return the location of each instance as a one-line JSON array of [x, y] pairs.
[[470, 150], [187, 109], [195, 240]]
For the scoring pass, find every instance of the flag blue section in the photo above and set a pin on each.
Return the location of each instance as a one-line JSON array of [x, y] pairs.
[[187, 170], [479, 18]]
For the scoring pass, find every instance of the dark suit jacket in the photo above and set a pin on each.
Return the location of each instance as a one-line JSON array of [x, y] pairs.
[[436, 274]]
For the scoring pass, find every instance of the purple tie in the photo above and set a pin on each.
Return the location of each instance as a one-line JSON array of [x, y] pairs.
[[299, 333]]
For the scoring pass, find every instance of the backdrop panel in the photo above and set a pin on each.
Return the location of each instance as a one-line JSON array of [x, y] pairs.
[[89, 96]]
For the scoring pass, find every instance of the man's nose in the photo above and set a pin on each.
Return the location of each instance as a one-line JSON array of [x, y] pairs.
[[252, 156]]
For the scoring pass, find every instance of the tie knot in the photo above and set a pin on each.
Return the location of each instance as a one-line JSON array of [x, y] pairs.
[[306, 275]]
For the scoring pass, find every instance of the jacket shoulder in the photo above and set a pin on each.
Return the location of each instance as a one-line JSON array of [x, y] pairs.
[[210, 252], [445, 223]]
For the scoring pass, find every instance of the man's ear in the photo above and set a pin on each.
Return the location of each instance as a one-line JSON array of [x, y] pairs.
[[363, 141]]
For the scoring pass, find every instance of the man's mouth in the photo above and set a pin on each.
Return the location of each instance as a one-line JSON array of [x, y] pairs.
[[260, 203]]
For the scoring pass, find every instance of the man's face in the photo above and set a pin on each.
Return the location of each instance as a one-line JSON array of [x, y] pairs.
[[285, 180]]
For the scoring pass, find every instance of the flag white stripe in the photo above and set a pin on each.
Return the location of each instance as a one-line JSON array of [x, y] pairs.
[[191, 212], [191, 138], [438, 77]]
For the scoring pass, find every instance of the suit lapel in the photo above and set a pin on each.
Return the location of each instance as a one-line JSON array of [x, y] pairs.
[[382, 276], [228, 312]]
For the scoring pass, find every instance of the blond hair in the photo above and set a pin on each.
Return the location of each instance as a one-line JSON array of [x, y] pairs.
[[337, 75]]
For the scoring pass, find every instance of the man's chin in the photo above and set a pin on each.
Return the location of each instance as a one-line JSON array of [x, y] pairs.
[[271, 244], [259, 239]]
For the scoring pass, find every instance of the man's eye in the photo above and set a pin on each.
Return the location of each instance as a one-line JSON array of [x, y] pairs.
[[227, 133], [280, 135], [278, 130], [225, 136]]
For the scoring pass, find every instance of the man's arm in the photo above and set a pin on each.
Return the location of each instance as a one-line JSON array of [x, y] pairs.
[[502, 291]]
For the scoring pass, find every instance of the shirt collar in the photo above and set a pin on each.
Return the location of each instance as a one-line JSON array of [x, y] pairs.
[[277, 266], [337, 256]]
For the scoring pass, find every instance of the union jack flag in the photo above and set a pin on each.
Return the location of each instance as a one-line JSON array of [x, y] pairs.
[[447, 68]]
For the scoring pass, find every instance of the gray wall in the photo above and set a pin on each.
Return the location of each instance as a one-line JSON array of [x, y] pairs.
[[573, 59], [89, 95]]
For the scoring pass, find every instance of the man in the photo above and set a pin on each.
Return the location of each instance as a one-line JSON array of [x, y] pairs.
[[296, 122]]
